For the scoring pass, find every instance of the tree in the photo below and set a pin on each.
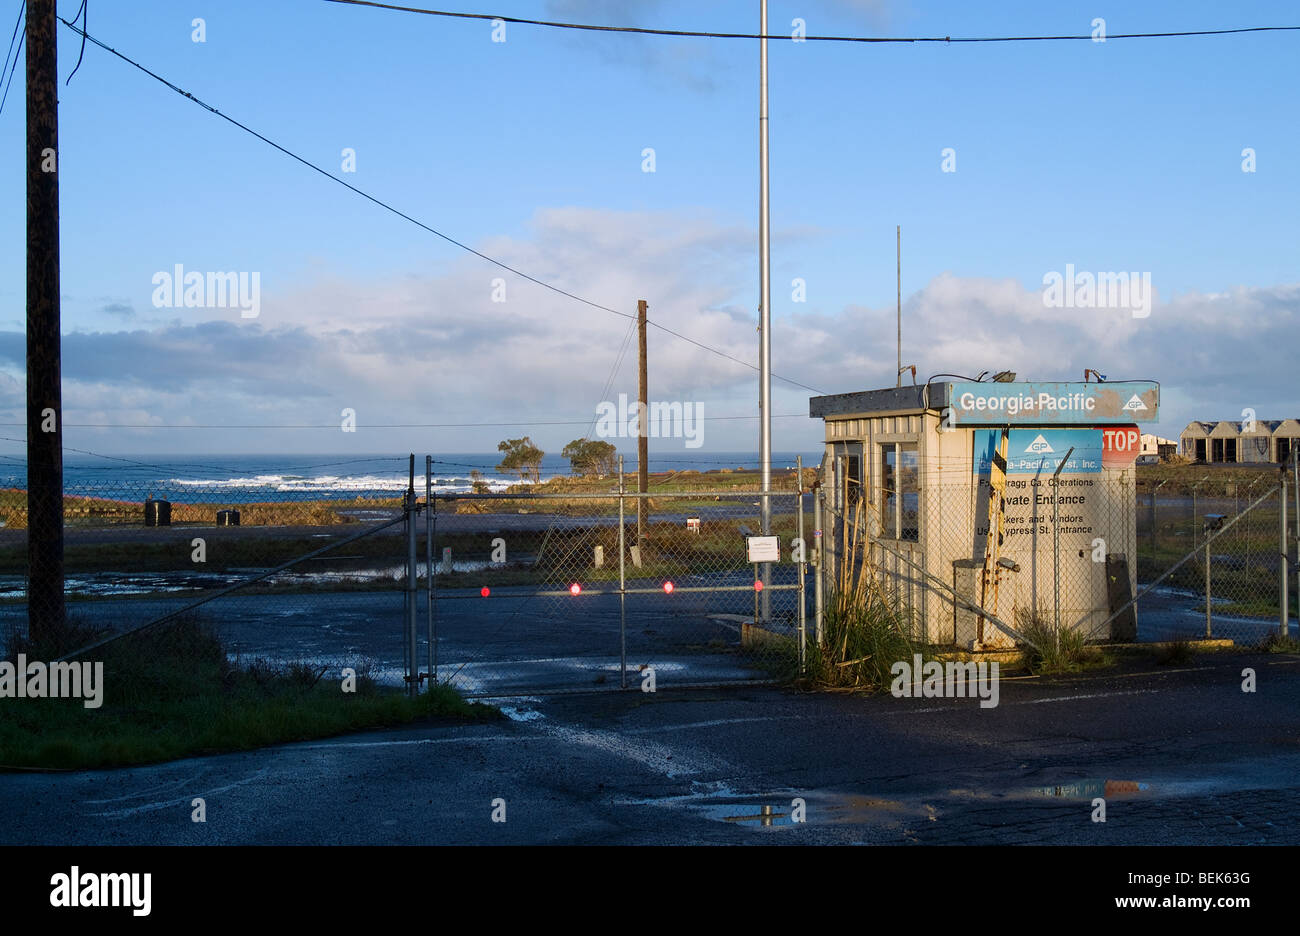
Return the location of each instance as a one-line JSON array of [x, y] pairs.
[[590, 458], [521, 456]]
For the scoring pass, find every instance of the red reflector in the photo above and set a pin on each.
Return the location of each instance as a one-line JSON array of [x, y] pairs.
[[668, 587], [575, 589], [758, 585], [485, 591]]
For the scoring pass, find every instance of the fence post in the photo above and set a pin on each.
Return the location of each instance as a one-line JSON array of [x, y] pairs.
[[819, 570], [412, 570], [1194, 525], [1284, 612], [1056, 544], [622, 583], [430, 526], [1207, 585], [1295, 470], [803, 596]]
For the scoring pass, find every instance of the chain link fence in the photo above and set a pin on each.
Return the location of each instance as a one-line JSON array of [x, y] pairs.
[[1081, 553], [577, 584], [539, 592], [1217, 561], [286, 578], [569, 585]]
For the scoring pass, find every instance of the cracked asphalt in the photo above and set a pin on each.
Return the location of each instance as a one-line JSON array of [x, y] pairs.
[[1191, 759]]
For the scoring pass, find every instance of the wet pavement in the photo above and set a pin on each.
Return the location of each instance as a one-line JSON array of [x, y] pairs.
[[1179, 755]]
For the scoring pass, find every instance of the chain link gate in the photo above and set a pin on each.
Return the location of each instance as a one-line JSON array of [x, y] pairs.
[[543, 592]]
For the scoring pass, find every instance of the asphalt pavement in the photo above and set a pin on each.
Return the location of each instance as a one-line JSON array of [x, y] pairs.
[[1178, 754]]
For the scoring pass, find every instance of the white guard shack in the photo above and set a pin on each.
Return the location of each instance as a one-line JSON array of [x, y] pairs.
[[910, 469]]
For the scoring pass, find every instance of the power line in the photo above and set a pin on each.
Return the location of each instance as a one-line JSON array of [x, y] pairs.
[[335, 426], [407, 217], [701, 34], [613, 373], [17, 55], [13, 36]]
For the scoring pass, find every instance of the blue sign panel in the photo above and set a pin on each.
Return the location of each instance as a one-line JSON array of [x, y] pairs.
[[987, 403], [1039, 452]]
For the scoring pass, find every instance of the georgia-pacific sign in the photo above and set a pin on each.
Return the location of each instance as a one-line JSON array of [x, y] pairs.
[[1001, 404]]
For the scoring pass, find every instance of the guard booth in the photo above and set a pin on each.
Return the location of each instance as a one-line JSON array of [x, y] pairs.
[[1017, 496]]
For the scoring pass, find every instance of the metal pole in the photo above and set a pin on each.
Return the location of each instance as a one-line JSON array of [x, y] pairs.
[[412, 570], [406, 607], [1284, 610], [622, 583], [819, 570], [765, 300], [45, 604], [1207, 589], [898, 231], [1056, 543], [839, 523], [643, 425], [1295, 467], [1246, 525], [430, 525], [1195, 526], [803, 596], [1056, 560]]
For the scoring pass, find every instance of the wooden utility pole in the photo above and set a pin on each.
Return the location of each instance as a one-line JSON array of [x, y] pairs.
[[45, 610], [643, 422]]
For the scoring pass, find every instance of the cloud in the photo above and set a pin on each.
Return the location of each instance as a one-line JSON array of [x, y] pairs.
[[1195, 344], [438, 349]]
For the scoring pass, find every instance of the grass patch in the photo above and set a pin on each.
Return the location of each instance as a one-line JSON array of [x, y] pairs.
[[1174, 653], [1047, 656], [175, 693], [1276, 643], [861, 640]]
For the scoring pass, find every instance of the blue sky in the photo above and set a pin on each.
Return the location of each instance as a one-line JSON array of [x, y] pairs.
[[1116, 156]]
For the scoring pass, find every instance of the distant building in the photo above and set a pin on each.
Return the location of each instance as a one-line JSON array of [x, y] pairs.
[[1266, 441], [1152, 444]]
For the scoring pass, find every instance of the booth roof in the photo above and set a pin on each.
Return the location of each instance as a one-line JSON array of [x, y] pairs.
[[890, 400]]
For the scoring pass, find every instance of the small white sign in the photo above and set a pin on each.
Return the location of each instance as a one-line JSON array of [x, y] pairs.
[[764, 548]]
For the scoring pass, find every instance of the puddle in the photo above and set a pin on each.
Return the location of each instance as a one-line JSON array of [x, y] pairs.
[[749, 814], [1088, 789], [778, 810]]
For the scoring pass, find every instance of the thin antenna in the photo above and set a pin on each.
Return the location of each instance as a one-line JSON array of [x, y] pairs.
[[898, 232]]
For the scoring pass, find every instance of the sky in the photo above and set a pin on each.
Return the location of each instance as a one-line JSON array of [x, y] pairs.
[[1116, 156]]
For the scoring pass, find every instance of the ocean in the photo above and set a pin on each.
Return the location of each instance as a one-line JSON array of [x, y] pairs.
[[267, 478]]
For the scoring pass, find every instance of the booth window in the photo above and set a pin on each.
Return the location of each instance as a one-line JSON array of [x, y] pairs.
[[850, 493], [899, 495], [853, 483]]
